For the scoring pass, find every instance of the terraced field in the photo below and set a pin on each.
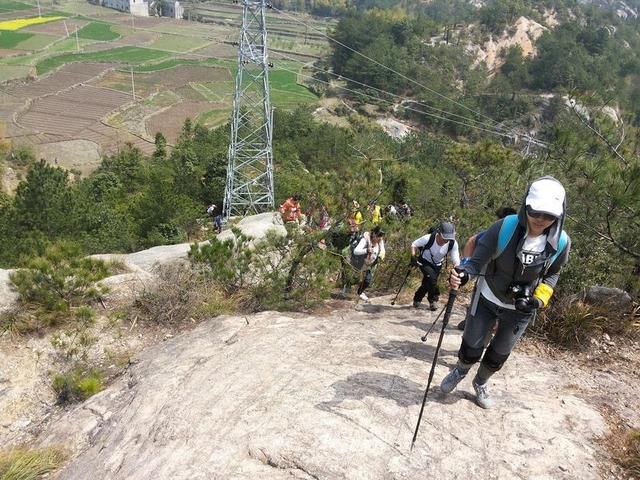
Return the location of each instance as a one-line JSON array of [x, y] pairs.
[[69, 83]]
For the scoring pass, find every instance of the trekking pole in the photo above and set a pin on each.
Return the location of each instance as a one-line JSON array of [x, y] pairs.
[[424, 337], [393, 302], [452, 298]]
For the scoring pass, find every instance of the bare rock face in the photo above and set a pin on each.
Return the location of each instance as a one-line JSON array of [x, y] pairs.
[[278, 396]]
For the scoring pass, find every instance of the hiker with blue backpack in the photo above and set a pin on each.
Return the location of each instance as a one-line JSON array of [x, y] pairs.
[[428, 253], [517, 262]]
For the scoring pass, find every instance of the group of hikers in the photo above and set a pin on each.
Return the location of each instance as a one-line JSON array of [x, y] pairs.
[[516, 262]]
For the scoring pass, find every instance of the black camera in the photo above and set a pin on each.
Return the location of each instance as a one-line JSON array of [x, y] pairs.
[[517, 291], [521, 295]]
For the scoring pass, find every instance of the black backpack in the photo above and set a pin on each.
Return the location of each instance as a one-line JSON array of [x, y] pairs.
[[432, 238]]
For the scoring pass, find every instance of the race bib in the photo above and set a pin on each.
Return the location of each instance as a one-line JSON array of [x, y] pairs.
[[528, 257]]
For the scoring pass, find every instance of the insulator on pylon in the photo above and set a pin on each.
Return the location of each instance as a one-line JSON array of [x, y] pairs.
[[270, 64]]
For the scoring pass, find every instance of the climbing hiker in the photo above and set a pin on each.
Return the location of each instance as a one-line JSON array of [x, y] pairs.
[[467, 251], [216, 216], [428, 253], [291, 210], [364, 255], [404, 210], [518, 261], [355, 219], [374, 211]]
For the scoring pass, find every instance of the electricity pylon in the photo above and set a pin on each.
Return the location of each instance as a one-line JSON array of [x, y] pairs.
[[249, 187]]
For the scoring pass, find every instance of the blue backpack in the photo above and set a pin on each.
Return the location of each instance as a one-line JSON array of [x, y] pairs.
[[509, 225]]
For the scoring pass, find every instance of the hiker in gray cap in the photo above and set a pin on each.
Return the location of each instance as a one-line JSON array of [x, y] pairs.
[[428, 252], [517, 262]]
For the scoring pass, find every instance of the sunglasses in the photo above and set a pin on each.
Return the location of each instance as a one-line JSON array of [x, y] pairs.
[[545, 216]]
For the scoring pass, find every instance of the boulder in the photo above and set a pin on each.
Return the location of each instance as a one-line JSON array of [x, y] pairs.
[[257, 226], [611, 298]]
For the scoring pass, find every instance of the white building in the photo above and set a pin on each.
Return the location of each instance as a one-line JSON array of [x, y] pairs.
[[172, 8], [140, 8]]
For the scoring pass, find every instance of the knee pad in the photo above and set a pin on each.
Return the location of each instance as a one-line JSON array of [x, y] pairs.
[[493, 360], [469, 355]]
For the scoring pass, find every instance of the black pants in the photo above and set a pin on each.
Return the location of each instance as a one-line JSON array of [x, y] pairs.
[[367, 278], [429, 285]]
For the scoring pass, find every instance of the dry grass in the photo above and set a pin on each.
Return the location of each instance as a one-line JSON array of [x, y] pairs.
[[572, 324], [25, 464], [179, 295], [622, 443]]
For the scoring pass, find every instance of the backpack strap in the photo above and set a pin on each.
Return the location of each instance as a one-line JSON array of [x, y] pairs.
[[562, 244], [507, 229], [429, 244], [451, 244]]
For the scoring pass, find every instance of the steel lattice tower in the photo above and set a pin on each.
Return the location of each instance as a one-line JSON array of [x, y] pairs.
[[249, 186]]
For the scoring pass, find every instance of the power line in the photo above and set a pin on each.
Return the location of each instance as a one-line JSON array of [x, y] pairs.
[[481, 127], [390, 93]]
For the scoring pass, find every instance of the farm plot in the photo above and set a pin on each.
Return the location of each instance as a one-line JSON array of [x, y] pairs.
[[132, 40], [98, 31], [19, 23], [121, 81], [129, 55], [57, 28], [219, 49], [11, 6], [72, 111], [113, 139], [170, 121], [9, 40], [69, 75], [214, 118], [36, 42], [185, 74], [178, 43]]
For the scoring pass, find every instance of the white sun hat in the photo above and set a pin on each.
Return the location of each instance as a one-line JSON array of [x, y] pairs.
[[547, 196]]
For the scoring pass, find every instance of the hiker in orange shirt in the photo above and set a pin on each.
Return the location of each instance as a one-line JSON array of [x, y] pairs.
[[291, 210]]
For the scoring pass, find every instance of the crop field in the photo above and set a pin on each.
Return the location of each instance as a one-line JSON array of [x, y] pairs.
[[98, 31], [8, 6], [70, 81], [18, 23], [9, 39]]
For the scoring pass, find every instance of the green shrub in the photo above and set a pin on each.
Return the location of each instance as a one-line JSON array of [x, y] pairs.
[[25, 464], [276, 272], [60, 279], [77, 384]]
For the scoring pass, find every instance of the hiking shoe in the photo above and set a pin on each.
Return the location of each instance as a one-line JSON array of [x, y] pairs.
[[451, 381], [363, 297], [432, 306], [482, 395], [416, 304]]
